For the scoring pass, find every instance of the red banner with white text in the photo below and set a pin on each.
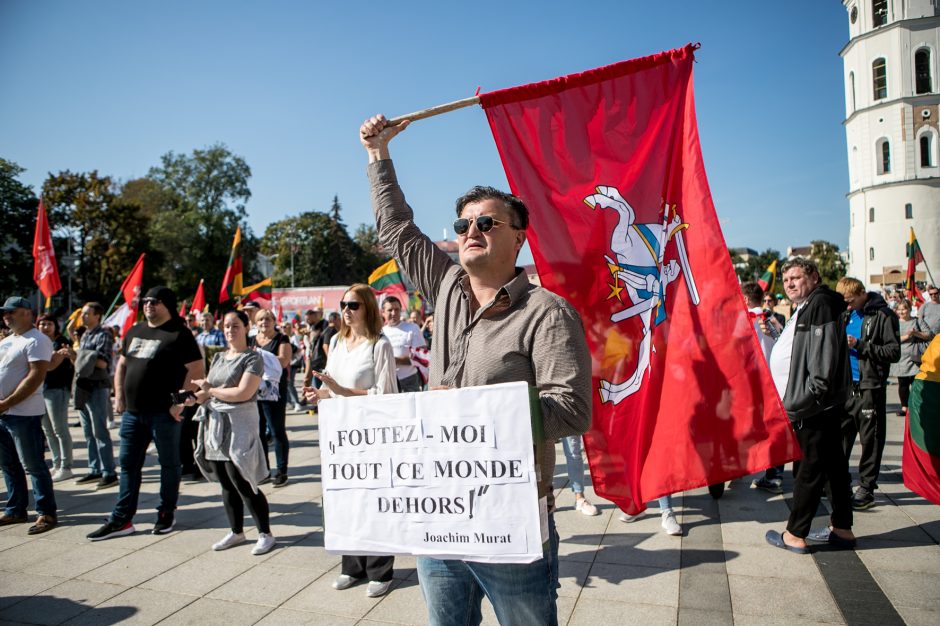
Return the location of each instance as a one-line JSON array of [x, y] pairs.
[[623, 226]]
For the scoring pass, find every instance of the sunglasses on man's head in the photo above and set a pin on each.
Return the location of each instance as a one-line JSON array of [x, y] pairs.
[[352, 306], [485, 223]]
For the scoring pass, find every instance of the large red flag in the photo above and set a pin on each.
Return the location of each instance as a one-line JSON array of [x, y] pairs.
[[131, 291], [199, 300], [623, 226], [45, 270]]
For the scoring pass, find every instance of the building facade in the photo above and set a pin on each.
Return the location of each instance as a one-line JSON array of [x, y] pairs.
[[892, 109]]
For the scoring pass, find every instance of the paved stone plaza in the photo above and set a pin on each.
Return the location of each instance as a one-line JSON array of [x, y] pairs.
[[719, 572]]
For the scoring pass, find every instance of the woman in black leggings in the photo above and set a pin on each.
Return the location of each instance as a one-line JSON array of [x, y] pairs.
[[229, 449]]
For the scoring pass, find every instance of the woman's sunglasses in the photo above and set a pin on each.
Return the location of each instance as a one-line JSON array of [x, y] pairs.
[[485, 224], [352, 306]]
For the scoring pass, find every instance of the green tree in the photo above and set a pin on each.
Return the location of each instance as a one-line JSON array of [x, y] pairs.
[[324, 252], [373, 254], [755, 265], [200, 201], [827, 259], [335, 210], [17, 223], [107, 233]]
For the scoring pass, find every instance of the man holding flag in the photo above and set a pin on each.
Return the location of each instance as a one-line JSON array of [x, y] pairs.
[[494, 327]]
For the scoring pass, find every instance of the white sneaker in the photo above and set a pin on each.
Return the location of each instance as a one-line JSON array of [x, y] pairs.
[[62, 474], [583, 505], [627, 519], [377, 589], [298, 408], [265, 544], [344, 581], [670, 525], [229, 540]]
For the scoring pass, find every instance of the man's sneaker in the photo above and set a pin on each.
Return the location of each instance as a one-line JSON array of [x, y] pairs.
[[6, 520], [280, 480], [106, 481], [88, 478], [670, 525], [165, 523], [112, 529], [264, 545], [228, 541], [344, 581], [772, 485], [582, 504], [627, 519], [265, 480], [62, 474], [377, 589], [43, 523], [862, 499]]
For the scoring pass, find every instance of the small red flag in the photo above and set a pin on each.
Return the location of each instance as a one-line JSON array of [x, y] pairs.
[[608, 162], [45, 270], [199, 300], [131, 289]]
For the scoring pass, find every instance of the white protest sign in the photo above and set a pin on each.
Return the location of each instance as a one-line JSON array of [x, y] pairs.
[[449, 474]]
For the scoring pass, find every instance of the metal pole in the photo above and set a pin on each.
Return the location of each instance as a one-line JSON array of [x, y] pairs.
[[292, 264]]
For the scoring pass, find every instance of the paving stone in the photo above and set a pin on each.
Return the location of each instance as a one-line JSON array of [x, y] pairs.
[[768, 596], [200, 575], [915, 590], [919, 617], [633, 584], [207, 611], [320, 597], [19, 586], [603, 611], [60, 603], [23, 557], [134, 568], [134, 606], [742, 560], [701, 617], [278, 617], [265, 584]]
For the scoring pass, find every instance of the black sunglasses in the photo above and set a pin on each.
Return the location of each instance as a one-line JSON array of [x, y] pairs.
[[153, 301], [485, 224], [352, 306]]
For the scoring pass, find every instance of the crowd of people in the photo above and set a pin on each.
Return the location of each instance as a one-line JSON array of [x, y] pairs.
[[214, 400]]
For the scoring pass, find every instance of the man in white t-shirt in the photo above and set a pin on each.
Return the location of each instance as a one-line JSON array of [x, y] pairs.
[[24, 358], [404, 336]]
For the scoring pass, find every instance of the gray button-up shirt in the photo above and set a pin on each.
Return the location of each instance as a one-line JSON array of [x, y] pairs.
[[525, 334]]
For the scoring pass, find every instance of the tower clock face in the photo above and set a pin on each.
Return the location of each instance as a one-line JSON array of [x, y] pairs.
[[853, 14]]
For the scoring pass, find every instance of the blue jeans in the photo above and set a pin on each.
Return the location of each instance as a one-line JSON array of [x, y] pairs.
[[137, 431], [55, 423], [522, 594], [94, 417], [22, 446], [572, 447], [276, 419]]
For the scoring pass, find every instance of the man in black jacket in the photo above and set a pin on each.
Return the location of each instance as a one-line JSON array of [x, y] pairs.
[[810, 368], [873, 335]]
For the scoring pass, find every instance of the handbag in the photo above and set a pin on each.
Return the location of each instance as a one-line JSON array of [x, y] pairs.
[[917, 347]]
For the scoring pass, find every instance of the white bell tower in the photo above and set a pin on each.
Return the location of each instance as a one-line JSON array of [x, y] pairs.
[[892, 93]]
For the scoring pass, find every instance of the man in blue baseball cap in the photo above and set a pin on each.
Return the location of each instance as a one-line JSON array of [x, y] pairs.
[[24, 358]]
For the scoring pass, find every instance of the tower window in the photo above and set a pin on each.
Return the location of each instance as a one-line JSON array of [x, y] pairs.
[[852, 90], [879, 13], [908, 211], [926, 152], [922, 78], [871, 254], [884, 152], [871, 214], [879, 78]]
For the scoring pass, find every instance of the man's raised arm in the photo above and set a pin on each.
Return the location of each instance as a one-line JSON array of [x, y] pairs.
[[423, 262]]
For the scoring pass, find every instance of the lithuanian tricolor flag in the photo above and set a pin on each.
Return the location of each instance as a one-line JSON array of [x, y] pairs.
[[387, 279], [258, 291], [920, 465], [914, 257], [232, 283], [768, 279]]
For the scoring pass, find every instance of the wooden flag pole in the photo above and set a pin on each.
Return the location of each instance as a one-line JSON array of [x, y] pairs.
[[431, 112]]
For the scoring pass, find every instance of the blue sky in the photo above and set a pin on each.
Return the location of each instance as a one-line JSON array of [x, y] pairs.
[[112, 86]]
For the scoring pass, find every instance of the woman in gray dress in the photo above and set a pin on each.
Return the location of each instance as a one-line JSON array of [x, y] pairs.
[[229, 449], [914, 338]]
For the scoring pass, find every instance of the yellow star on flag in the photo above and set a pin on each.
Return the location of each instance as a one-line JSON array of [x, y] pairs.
[[615, 290]]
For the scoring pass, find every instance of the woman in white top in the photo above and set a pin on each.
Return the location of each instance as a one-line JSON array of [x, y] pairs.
[[360, 362]]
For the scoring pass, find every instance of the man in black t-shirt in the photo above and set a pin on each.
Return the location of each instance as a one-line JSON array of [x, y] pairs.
[[159, 357]]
